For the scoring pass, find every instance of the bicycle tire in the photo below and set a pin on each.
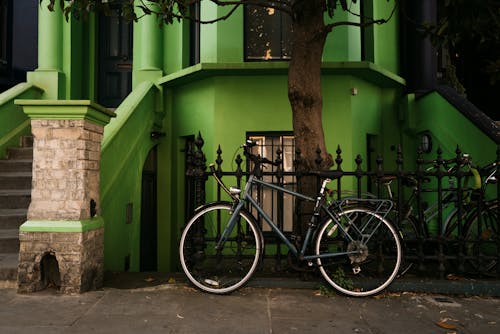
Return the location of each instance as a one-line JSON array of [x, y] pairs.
[[481, 239], [377, 265], [220, 271], [411, 233]]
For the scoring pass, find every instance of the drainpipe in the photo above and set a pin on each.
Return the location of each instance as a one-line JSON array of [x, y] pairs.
[[421, 54]]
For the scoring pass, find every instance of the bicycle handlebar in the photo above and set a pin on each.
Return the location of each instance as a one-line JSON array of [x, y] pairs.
[[255, 158]]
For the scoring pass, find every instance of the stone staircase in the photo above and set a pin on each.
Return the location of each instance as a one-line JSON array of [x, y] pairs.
[[15, 197]]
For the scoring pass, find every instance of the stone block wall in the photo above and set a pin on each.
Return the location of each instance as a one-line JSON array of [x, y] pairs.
[[66, 160], [80, 260]]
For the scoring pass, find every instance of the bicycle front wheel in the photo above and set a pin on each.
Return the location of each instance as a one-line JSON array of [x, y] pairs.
[[360, 254], [225, 268]]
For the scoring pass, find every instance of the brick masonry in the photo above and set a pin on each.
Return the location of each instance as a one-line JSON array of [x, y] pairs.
[[66, 159], [80, 257], [66, 168]]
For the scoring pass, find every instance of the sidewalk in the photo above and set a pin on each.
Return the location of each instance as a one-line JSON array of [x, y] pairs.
[[150, 304]]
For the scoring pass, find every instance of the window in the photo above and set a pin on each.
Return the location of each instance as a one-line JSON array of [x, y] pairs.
[[267, 34], [280, 207], [5, 39]]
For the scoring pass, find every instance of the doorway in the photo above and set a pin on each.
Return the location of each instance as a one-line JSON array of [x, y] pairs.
[[114, 59], [149, 225]]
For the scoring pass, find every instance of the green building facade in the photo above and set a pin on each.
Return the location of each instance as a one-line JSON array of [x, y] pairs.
[[176, 88]]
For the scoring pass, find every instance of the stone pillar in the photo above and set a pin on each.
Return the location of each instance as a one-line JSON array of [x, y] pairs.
[[63, 218]]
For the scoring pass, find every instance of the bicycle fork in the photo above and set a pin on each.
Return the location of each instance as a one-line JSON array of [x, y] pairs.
[[232, 222]]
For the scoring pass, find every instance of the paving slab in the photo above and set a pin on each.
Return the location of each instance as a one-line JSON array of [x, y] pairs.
[[168, 305]]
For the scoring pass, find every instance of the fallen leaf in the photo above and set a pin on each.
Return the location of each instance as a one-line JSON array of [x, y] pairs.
[[452, 277], [149, 279], [171, 280], [445, 325]]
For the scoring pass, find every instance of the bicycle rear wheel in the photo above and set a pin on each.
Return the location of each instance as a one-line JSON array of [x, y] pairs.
[[369, 252], [225, 269]]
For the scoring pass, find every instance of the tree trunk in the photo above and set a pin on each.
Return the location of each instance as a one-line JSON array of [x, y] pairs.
[[304, 93], [304, 83]]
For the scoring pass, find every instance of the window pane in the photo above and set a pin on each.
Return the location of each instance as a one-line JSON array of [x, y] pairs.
[[267, 34], [268, 146]]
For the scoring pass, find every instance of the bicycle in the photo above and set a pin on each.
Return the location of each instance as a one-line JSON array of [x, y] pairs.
[[468, 218], [355, 248], [480, 226]]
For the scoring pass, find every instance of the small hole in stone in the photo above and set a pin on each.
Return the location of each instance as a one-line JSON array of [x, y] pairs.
[[50, 276]]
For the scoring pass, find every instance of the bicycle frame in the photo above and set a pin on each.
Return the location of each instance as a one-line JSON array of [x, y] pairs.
[[319, 206]]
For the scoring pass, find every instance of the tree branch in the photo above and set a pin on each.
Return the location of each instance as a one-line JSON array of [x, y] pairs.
[[281, 5], [166, 16], [371, 21]]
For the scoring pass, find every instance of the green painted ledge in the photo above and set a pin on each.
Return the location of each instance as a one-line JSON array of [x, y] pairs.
[[362, 69], [62, 226], [66, 109]]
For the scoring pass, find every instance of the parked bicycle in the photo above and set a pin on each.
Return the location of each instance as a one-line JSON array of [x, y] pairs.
[[476, 240], [356, 249], [466, 215]]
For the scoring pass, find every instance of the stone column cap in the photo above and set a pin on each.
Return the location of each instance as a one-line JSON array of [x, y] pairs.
[[66, 109]]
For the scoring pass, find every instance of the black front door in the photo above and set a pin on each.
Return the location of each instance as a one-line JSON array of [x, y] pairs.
[[115, 59]]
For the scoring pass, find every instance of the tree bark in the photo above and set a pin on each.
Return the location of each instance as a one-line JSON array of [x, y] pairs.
[[304, 83], [304, 93]]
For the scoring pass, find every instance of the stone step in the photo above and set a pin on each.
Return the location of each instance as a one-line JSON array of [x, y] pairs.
[[19, 153], [15, 199], [18, 165], [12, 218], [8, 267], [9, 241], [15, 180]]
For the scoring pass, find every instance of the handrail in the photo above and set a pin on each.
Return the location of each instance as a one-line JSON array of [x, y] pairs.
[[14, 123], [118, 147]]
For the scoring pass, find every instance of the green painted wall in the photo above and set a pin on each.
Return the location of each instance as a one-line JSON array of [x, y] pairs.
[[221, 41], [344, 42], [382, 41], [125, 146], [448, 128]]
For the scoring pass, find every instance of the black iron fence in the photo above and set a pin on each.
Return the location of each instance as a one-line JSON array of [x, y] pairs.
[[446, 208]]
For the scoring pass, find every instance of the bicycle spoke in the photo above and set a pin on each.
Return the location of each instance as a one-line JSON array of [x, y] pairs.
[[225, 268], [374, 252]]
